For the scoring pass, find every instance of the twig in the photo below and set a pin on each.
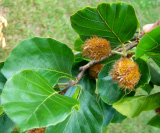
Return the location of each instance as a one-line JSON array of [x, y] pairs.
[[137, 37], [124, 49], [91, 63], [114, 51]]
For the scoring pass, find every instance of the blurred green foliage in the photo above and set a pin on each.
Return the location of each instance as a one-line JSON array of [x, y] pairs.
[[51, 18]]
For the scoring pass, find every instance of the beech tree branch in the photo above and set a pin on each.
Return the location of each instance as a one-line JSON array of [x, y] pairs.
[[82, 69]]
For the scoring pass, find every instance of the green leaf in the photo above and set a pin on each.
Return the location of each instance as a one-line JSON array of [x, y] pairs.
[[112, 58], [79, 57], [109, 91], [2, 78], [156, 58], [145, 58], [149, 43], [47, 56], [108, 66], [132, 93], [155, 121], [87, 82], [2, 82], [108, 112], [133, 106], [1, 110], [118, 117], [30, 101], [15, 132], [145, 74], [78, 44], [148, 87], [76, 93], [155, 76], [1, 87], [112, 115], [6, 125], [117, 22], [89, 118], [71, 91]]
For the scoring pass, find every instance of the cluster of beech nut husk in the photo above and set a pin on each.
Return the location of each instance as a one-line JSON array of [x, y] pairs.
[[125, 71], [95, 69], [95, 48]]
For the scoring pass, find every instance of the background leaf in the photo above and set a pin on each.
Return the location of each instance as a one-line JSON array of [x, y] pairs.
[[110, 21], [155, 121], [108, 112], [71, 91], [78, 58], [6, 125], [109, 91], [149, 43], [155, 76], [133, 106], [88, 119], [118, 117], [156, 58], [87, 82], [78, 44], [148, 87], [2, 78], [47, 56], [112, 58], [144, 71], [108, 65], [1, 110], [2, 82], [30, 101], [112, 115]]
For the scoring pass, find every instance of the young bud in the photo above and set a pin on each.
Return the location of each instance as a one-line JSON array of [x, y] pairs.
[[95, 48], [126, 73]]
